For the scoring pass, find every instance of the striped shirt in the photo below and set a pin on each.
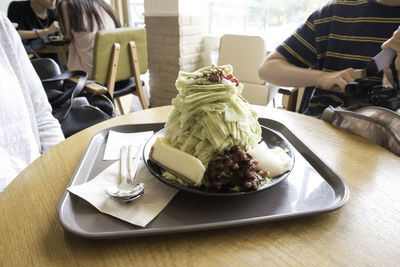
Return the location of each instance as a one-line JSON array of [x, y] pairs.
[[340, 35]]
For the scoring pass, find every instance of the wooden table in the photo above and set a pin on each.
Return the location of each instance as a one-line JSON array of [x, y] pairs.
[[61, 50], [364, 232]]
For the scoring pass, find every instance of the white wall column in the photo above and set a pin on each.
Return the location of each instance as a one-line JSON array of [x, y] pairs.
[[174, 40]]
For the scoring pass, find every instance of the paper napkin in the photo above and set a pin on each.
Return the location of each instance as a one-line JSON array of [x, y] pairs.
[[140, 211], [116, 140]]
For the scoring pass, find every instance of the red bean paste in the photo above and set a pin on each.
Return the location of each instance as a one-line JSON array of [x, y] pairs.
[[234, 168]]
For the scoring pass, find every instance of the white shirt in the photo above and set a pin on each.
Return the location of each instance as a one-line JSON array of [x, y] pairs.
[[27, 127]]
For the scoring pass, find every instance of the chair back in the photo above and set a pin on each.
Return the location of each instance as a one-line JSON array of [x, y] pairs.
[[103, 49], [245, 53]]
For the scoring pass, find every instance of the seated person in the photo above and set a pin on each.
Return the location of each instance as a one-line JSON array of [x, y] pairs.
[[27, 126], [79, 21], [323, 52], [35, 19]]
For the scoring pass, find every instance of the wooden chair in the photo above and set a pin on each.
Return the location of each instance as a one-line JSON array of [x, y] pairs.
[[118, 55], [245, 53], [290, 98]]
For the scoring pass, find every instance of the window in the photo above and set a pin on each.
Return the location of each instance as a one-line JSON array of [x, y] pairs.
[[274, 20], [136, 13]]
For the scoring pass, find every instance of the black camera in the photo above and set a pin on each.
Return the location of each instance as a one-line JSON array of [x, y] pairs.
[[364, 90]]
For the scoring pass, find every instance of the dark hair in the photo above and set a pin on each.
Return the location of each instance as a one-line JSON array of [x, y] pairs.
[[78, 7]]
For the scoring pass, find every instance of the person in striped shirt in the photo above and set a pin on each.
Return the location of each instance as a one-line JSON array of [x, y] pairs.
[[322, 54]]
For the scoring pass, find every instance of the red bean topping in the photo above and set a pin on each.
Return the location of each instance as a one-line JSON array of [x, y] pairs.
[[234, 168]]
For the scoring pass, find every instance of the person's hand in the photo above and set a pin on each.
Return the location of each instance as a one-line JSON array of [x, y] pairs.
[[393, 43], [335, 81], [54, 27]]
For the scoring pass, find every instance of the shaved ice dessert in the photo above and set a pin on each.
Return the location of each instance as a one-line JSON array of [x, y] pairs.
[[212, 123], [209, 115]]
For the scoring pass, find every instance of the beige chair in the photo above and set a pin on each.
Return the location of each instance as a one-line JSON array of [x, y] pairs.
[[120, 54], [245, 53]]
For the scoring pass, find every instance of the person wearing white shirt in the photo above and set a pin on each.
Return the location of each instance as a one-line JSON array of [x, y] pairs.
[[28, 127]]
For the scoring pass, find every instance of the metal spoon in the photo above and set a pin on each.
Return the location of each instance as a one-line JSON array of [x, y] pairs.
[[127, 191]]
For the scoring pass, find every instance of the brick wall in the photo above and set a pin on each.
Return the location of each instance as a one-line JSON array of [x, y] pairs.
[[174, 43]]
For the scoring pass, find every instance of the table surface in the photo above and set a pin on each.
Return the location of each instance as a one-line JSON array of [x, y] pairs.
[[60, 50], [365, 231], [51, 48]]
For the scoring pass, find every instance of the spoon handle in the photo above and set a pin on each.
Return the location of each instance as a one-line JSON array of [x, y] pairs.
[[123, 163], [133, 166]]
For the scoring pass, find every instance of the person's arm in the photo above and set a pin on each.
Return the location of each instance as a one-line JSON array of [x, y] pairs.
[[277, 70], [25, 34], [15, 14], [393, 43]]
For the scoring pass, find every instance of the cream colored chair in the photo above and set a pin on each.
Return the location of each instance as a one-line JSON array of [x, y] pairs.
[[120, 54], [245, 53]]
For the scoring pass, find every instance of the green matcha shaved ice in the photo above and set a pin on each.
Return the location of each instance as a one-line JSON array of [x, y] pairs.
[[209, 115]]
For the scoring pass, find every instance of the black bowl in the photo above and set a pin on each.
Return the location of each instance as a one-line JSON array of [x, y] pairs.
[[269, 136]]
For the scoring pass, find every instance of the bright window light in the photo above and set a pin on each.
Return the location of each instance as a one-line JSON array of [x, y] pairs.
[[274, 20]]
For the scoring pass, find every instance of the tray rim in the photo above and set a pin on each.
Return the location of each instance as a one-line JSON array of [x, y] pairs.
[[203, 226]]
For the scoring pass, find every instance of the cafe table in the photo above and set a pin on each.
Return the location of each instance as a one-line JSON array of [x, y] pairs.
[[363, 232], [60, 49]]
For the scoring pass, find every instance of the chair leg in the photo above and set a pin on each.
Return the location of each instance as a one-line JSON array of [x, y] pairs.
[[292, 93], [119, 104], [112, 69], [136, 73]]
